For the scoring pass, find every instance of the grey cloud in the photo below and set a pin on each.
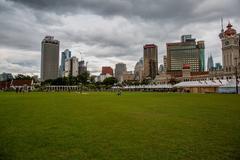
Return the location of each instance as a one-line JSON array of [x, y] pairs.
[[23, 28], [117, 30], [16, 61], [25, 63], [178, 10]]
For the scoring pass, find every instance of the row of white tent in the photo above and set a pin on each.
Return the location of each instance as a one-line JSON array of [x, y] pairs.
[[158, 86], [208, 83], [224, 86]]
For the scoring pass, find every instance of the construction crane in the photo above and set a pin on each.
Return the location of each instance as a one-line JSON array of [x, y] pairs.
[[81, 55]]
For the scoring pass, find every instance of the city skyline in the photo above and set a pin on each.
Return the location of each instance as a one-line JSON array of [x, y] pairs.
[[106, 36]]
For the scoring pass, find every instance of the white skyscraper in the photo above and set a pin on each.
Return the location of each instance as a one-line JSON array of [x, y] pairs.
[[120, 68], [71, 67]]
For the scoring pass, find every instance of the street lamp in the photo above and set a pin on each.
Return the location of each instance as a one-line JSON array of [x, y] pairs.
[[236, 73]]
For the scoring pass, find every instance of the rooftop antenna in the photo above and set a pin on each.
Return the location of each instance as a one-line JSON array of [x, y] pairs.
[[81, 53], [222, 24]]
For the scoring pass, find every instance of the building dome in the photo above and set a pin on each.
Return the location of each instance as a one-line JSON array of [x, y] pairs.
[[230, 31]]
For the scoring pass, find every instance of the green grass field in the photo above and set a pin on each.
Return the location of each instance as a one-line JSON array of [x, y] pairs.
[[134, 126]]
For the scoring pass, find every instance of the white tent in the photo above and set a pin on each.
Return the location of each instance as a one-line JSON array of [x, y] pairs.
[[223, 86], [208, 83], [229, 87]]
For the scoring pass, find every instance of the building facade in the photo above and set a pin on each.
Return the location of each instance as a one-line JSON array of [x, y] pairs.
[[49, 58], [82, 67], [71, 67], [65, 55], [188, 51], [230, 49], [107, 70], [102, 77], [120, 68], [128, 76], [165, 62], [150, 55]]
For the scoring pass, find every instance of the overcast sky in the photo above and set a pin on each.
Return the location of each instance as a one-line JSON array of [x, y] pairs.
[[107, 31]]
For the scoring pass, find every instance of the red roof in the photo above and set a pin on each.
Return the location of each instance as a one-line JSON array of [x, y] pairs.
[[22, 82], [199, 73], [230, 31], [150, 46], [175, 74], [186, 66]]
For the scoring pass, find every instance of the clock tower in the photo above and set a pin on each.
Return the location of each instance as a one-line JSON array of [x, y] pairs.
[[230, 48]]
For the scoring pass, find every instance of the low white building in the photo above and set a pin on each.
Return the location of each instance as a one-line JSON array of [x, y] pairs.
[[102, 77]]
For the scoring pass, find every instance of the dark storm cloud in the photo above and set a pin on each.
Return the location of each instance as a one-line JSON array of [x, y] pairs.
[[21, 27], [109, 31], [147, 9], [164, 15]]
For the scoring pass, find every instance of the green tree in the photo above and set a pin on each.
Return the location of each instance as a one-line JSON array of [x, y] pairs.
[[22, 77], [92, 79], [83, 78], [110, 81], [173, 81], [146, 81]]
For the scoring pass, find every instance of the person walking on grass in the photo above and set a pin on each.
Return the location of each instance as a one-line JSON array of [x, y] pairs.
[[119, 93]]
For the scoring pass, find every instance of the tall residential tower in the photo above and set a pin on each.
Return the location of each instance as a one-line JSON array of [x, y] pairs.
[[71, 67], [49, 58], [150, 55]]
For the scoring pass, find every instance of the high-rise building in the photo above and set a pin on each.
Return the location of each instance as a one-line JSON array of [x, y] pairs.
[[150, 55], [138, 70], [161, 68], [210, 64], [107, 70], [188, 51], [65, 55], [230, 48], [188, 37], [49, 58], [6, 76], [128, 76], [165, 63], [71, 67], [82, 67], [218, 66], [120, 68]]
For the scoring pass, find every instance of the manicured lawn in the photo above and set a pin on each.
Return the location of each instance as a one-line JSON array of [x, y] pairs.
[[134, 126]]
